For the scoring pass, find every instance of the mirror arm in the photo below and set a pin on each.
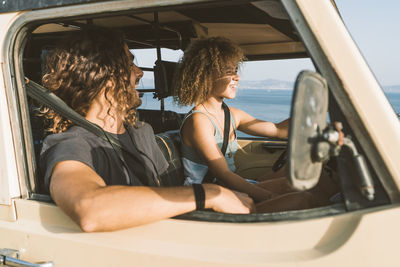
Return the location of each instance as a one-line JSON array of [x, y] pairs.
[[366, 183], [329, 146]]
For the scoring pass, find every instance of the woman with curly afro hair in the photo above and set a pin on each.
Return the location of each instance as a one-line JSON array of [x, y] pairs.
[[206, 75]]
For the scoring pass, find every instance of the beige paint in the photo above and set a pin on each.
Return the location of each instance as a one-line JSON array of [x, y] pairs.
[[274, 48], [9, 186], [246, 33], [164, 17], [8, 212], [43, 232]]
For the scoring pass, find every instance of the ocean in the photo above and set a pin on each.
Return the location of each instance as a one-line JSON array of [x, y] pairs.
[[269, 105], [254, 102]]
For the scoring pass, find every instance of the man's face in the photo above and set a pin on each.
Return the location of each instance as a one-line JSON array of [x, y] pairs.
[[136, 72], [136, 75]]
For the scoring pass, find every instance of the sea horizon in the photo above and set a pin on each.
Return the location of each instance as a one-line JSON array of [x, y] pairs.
[[269, 84], [266, 104]]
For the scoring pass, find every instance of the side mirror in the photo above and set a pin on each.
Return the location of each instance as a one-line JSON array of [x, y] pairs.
[[311, 142], [307, 121]]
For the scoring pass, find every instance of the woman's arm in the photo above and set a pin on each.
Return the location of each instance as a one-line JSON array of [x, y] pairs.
[[198, 133], [81, 193], [250, 125]]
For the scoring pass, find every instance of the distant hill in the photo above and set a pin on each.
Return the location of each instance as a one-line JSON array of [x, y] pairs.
[[268, 84], [391, 89], [271, 84]]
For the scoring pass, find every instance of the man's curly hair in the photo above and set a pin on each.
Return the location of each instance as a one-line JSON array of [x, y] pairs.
[[204, 61], [89, 63]]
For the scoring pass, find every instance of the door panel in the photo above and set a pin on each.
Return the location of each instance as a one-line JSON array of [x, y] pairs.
[[255, 158], [43, 233]]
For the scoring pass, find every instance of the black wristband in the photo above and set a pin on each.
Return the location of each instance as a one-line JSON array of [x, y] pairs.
[[199, 196]]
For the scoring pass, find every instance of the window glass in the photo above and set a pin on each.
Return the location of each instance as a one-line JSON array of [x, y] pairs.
[[266, 87], [145, 58]]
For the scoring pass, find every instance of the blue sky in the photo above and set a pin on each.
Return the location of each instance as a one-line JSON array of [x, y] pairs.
[[374, 25]]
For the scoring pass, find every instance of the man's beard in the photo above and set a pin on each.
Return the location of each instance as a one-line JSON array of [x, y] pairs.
[[137, 101]]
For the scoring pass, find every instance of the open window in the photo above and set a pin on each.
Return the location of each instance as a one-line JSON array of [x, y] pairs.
[[264, 31]]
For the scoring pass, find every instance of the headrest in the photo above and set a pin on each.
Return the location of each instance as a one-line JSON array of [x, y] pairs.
[[163, 76]]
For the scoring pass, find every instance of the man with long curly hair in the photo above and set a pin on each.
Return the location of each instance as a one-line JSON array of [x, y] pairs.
[[93, 72]]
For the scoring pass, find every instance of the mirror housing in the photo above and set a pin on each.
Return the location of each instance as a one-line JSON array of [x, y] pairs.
[[308, 119]]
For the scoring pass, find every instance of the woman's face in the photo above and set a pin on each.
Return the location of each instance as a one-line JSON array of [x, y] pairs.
[[226, 86]]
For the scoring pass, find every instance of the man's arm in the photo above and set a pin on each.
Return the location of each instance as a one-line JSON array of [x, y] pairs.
[[81, 193]]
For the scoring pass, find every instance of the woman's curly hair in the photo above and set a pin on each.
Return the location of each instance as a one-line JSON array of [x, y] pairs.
[[91, 62], [204, 61]]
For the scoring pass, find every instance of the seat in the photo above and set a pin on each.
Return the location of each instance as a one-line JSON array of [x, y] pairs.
[[164, 72], [169, 143], [161, 120], [38, 127]]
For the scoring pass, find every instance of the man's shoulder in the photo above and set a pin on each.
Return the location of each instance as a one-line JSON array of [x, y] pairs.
[[142, 128], [74, 135]]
